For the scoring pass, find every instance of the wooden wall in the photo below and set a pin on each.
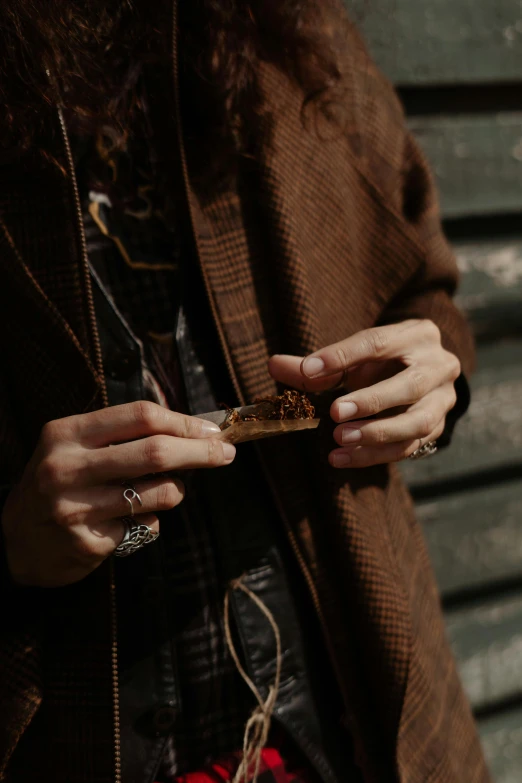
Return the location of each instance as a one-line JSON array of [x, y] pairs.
[[458, 67]]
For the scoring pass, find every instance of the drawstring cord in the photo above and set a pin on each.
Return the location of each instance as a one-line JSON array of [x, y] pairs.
[[258, 725]]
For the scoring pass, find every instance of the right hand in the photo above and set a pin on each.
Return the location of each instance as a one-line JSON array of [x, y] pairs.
[[64, 517]]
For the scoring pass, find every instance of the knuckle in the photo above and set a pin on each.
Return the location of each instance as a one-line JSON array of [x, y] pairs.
[[215, 453], [455, 367], [62, 512], [157, 453], [427, 424], [431, 330], [439, 429], [49, 474], [380, 434], [373, 404], [168, 496], [418, 384], [452, 398], [378, 340], [374, 342], [49, 433], [55, 431], [145, 413], [181, 491], [189, 426], [342, 356]]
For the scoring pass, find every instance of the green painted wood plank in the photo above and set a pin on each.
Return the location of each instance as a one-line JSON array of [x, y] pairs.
[[443, 41], [477, 160], [502, 741], [475, 537], [491, 285], [490, 435], [487, 642], [489, 268]]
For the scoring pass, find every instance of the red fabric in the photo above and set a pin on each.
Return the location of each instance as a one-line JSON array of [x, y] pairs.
[[273, 769]]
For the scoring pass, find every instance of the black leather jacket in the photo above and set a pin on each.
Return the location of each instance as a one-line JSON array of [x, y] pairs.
[[250, 545]]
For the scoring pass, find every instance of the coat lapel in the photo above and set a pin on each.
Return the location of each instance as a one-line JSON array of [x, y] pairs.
[[287, 274], [233, 286]]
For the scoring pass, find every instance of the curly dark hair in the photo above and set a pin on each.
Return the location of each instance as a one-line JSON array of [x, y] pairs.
[[87, 54]]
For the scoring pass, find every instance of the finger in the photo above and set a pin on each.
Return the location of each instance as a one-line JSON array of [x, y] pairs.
[[122, 423], [419, 421], [405, 388], [114, 531], [287, 370], [370, 373], [368, 456], [93, 546], [383, 342], [159, 454], [99, 504]]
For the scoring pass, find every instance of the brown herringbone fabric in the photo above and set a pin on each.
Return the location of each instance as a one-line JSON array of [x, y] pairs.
[[331, 232]]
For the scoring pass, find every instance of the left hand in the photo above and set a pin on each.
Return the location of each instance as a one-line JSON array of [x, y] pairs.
[[400, 375]]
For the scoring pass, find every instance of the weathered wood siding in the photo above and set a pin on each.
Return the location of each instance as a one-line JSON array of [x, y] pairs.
[[458, 67], [444, 41], [477, 160]]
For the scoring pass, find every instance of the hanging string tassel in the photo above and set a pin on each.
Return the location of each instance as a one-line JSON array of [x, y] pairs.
[[258, 725]]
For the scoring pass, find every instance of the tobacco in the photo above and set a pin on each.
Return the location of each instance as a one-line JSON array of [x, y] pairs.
[[290, 405]]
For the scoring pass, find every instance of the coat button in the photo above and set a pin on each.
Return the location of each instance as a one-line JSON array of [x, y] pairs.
[[164, 719], [121, 366]]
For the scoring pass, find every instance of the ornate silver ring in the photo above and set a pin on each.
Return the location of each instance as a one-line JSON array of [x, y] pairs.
[[130, 494], [136, 537], [428, 450]]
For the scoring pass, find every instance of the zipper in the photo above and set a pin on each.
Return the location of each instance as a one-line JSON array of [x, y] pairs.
[[98, 360], [95, 338], [115, 677], [291, 536]]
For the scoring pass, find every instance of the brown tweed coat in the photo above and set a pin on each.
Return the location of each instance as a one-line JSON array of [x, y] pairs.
[[331, 233]]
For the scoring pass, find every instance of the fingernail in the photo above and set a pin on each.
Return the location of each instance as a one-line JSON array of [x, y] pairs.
[[350, 436], [229, 451], [209, 428], [347, 410], [313, 366], [341, 460]]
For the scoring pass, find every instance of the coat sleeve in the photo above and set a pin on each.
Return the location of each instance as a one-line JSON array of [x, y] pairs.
[[429, 293], [389, 157]]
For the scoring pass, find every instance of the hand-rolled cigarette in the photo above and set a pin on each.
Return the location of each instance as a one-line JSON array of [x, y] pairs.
[[291, 411], [243, 431]]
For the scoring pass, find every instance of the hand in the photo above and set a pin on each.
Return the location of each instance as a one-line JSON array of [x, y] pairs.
[[400, 375], [64, 518]]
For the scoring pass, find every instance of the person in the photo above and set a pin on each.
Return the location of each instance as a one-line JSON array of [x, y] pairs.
[[203, 203]]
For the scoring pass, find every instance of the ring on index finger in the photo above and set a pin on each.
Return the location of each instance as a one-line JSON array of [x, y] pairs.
[[130, 494]]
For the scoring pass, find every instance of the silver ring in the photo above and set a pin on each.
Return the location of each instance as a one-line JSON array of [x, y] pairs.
[[135, 538], [130, 494], [428, 450]]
